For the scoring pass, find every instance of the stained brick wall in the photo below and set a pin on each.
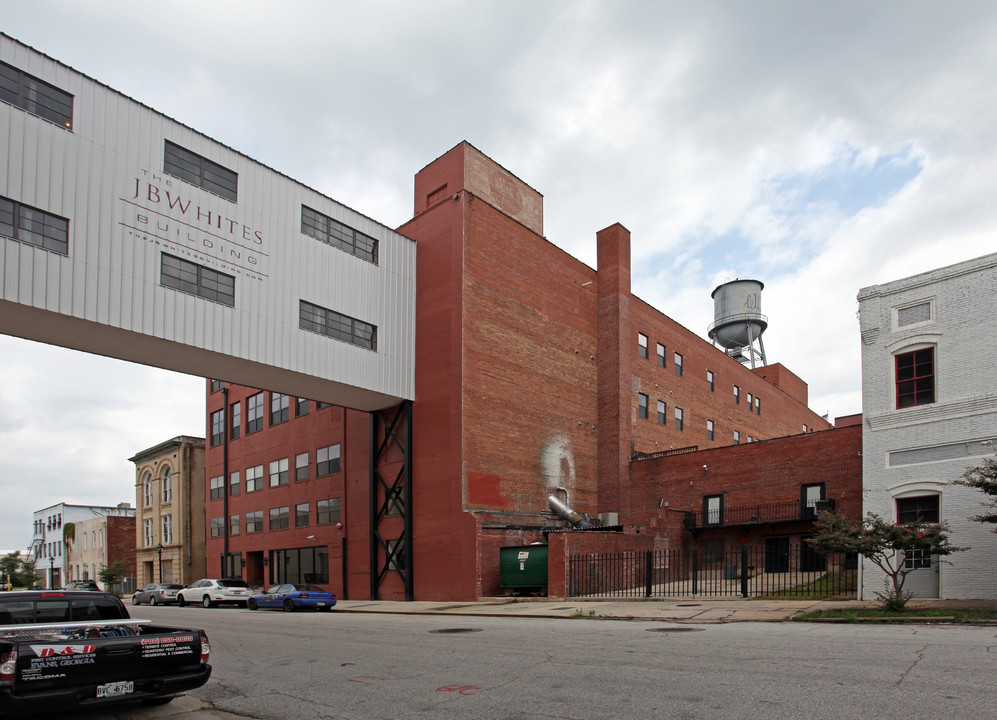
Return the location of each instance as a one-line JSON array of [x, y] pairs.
[[121, 542]]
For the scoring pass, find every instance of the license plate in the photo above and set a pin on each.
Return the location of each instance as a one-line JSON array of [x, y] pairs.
[[114, 689], [320, 604]]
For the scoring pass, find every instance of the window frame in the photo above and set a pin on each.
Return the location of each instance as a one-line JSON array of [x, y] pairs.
[[28, 93], [662, 409], [679, 419], [195, 279], [254, 413], [918, 510], [643, 401], [642, 346], [337, 326], [20, 222], [199, 171], [911, 387], [339, 235]]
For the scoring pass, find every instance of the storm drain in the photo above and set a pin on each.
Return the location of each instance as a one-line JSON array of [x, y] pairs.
[[689, 605], [456, 630], [676, 629]]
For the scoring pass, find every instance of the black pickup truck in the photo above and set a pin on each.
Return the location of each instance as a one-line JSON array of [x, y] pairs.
[[67, 650]]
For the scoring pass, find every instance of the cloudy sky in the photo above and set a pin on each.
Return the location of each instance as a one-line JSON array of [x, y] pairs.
[[818, 147]]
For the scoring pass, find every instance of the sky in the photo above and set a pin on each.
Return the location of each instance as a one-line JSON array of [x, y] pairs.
[[817, 147]]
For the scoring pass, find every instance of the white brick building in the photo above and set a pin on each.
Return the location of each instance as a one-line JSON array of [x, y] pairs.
[[929, 397]]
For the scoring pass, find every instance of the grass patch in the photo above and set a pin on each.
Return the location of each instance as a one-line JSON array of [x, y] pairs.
[[984, 615], [823, 588]]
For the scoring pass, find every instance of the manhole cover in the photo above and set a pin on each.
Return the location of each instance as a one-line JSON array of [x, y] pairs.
[[676, 629], [456, 630]]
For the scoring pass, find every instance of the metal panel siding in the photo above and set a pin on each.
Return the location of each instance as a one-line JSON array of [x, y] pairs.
[[106, 177]]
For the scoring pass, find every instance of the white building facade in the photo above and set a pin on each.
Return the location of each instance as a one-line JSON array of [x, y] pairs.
[[54, 527], [929, 396]]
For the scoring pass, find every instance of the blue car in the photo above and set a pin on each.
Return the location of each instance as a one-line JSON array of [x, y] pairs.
[[292, 597]]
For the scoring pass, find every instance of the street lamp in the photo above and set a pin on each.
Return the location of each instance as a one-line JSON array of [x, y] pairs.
[[159, 551]]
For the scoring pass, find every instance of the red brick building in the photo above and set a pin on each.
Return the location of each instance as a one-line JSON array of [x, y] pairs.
[[536, 376]]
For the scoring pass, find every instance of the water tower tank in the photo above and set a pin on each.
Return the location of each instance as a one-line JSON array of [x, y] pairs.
[[738, 322]]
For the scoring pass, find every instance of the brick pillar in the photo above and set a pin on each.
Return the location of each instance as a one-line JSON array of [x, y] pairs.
[[616, 346]]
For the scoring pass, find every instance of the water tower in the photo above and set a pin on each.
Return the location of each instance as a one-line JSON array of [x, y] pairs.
[[738, 322]]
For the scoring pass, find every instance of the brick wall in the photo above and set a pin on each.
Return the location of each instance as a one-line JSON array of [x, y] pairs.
[[121, 542]]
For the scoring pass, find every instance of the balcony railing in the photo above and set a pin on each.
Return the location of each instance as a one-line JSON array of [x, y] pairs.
[[792, 511]]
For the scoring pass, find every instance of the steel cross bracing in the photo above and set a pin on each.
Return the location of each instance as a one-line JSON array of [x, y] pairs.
[[391, 497]]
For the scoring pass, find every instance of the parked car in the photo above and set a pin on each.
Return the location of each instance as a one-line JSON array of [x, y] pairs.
[[82, 585], [211, 592], [156, 594], [292, 597]]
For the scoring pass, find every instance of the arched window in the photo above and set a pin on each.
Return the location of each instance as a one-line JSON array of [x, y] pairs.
[[167, 485], [101, 538], [147, 489]]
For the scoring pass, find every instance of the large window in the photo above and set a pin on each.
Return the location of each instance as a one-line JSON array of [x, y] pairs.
[[200, 171], [280, 408], [280, 518], [34, 227], [195, 279], [916, 378], [166, 480], [217, 427], [308, 565], [254, 413], [254, 521], [217, 487], [302, 515], [254, 478], [327, 460], [147, 493], [167, 529], [327, 511], [278, 472], [336, 325], [148, 532], [918, 509], [36, 96], [217, 527], [324, 228]]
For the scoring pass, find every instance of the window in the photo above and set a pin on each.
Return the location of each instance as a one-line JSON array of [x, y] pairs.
[[36, 96], [642, 405], [324, 228], [917, 509], [336, 325], [662, 412], [301, 407], [279, 408], [254, 521], [750, 439], [679, 416], [810, 495], [713, 510], [642, 345], [217, 527], [710, 380], [280, 518], [750, 402], [216, 488], [189, 277], [916, 378], [915, 559], [147, 491], [278, 472], [34, 227], [301, 467], [235, 420], [914, 314], [758, 405], [217, 427], [302, 515], [737, 437], [233, 524], [327, 460], [327, 511], [254, 413], [167, 529], [319, 405], [678, 364], [216, 386], [396, 553], [661, 355], [254, 478], [200, 171], [233, 483], [709, 430], [148, 532]]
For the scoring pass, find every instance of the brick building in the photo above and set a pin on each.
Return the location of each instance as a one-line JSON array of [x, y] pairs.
[[536, 376], [930, 412], [99, 542]]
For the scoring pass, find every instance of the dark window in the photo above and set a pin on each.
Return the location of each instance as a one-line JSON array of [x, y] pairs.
[[320, 405], [217, 485], [737, 395], [915, 559], [254, 521], [36, 96], [235, 424], [218, 427], [327, 460], [327, 511], [916, 378], [280, 408], [34, 227], [662, 412], [301, 407], [280, 518], [200, 171], [642, 400], [336, 325], [216, 385], [324, 228], [661, 355], [195, 279], [302, 515], [217, 527], [917, 509], [810, 495], [254, 413], [713, 510], [642, 345]]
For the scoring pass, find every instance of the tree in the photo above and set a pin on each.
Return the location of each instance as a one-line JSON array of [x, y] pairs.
[[16, 570], [113, 573], [884, 544], [983, 478]]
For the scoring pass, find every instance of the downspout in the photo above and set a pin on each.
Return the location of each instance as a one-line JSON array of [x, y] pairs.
[[225, 481]]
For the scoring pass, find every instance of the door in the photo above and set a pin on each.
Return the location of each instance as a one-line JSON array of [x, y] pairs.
[[810, 559], [777, 555], [922, 581]]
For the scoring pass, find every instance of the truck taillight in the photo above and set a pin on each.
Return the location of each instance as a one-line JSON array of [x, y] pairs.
[[205, 649], [8, 666]]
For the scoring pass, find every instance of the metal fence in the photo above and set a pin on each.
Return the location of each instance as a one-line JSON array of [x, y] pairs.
[[775, 569]]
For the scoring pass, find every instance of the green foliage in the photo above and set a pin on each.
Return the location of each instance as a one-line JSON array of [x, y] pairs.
[[20, 572], [69, 534], [983, 478], [885, 545], [113, 573]]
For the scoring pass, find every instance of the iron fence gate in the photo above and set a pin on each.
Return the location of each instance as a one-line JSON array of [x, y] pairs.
[[776, 569]]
